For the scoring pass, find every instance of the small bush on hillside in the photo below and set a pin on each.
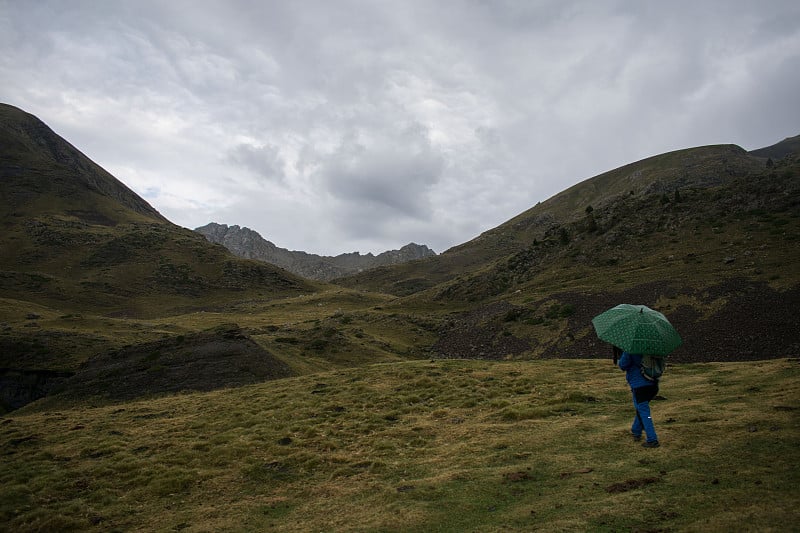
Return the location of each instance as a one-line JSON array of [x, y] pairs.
[[591, 223], [558, 311], [515, 314], [318, 345]]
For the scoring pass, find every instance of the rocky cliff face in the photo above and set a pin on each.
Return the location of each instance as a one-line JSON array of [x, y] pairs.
[[247, 243]]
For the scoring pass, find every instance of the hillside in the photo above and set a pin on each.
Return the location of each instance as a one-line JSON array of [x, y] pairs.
[[788, 146], [74, 237], [43, 173], [691, 169], [85, 261], [722, 263], [248, 244], [710, 236]]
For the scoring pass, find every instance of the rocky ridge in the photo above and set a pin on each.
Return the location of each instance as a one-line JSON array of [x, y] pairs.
[[249, 244]]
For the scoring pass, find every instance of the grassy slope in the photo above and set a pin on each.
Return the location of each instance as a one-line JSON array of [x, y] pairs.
[[676, 256], [316, 331], [755, 219], [82, 253], [418, 446], [140, 269], [75, 238], [72, 305], [691, 168]]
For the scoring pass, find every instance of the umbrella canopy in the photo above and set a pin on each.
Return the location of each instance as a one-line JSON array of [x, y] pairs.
[[637, 329]]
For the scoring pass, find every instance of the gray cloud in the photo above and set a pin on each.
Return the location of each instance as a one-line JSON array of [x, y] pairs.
[[264, 161], [354, 125], [383, 170]]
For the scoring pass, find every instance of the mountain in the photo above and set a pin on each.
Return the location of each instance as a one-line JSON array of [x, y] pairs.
[[690, 169], [247, 243], [76, 237], [85, 262], [708, 235], [43, 173], [788, 146], [96, 285]]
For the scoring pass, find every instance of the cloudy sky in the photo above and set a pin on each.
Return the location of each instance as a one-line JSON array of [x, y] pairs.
[[334, 126]]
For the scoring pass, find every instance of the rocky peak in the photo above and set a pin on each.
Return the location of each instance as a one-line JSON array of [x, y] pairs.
[[247, 243]]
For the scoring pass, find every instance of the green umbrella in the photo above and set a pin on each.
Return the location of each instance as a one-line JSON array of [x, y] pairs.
[[637, 329]]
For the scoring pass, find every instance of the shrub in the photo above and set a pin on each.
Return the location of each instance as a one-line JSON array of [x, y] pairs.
[[318, 345], [514, 315]]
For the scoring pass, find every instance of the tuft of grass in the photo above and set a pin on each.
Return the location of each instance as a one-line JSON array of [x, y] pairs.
[[443, 445]]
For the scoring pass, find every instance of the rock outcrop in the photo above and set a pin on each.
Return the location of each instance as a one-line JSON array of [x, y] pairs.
[[248, 244]]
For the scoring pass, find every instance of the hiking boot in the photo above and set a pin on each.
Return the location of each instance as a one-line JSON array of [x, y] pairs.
[[636, 438], [648, 444]]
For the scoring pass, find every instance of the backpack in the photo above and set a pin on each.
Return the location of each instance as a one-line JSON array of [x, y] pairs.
[[652, 367]]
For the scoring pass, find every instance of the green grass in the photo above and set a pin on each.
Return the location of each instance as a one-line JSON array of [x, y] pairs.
[[316, 331], [418, 446]]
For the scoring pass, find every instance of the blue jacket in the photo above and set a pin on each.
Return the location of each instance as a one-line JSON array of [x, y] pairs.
[[631, 364]]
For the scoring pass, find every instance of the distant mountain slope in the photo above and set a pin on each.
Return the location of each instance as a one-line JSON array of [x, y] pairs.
[[788, 146], [690, 169], [710, 236], [75, 238], [722, 263], [247, 243]]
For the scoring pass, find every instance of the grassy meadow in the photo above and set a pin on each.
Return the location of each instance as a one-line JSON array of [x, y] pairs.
[[424, 445]]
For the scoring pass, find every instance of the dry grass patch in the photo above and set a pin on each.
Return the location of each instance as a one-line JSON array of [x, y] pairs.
[[417, 446]]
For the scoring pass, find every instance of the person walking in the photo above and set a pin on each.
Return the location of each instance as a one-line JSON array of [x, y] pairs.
[[643, 390]]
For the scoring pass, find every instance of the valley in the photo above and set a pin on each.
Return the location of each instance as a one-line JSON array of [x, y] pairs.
[[152, 379]]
